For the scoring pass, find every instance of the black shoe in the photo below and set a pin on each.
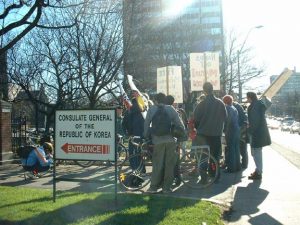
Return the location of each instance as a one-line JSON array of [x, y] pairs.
[[177, 181], [255, 176]]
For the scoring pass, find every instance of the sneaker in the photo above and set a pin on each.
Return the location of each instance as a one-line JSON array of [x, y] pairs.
[[31, 175], [177, 181], [151, 191], [255, 176], [167, 191]]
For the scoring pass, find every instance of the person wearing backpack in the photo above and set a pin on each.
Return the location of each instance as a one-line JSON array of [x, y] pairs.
[[157, 126], [180, 144], [39, 159]]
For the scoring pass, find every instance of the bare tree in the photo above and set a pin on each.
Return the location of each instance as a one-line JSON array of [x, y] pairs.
[[75, 66], [98, 50], [239, 62], [18, 18]]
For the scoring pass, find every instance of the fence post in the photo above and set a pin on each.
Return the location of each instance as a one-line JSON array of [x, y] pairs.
[[6, 154]]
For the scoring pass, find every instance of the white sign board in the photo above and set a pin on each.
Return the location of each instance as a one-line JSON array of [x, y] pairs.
[[197, 71], [161, 85], [212, 68], [204, 67], [278, 83], [85, 134], [169, 82], [175, 83]]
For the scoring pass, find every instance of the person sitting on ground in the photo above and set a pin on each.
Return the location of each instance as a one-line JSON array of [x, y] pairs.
[[39, 159]]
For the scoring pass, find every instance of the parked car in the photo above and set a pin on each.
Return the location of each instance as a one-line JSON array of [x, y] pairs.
[[295, 127], [273, 124], [285, 126]]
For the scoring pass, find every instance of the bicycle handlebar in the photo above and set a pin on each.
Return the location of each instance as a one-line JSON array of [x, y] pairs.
[[142, 142]]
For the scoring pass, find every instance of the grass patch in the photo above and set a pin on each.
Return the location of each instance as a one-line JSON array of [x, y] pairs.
[[35, 206]]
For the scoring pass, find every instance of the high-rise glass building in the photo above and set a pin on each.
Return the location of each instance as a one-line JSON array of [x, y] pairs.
[[160, 33]]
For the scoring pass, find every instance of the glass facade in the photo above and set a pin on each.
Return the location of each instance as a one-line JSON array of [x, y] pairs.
[[163, 32]]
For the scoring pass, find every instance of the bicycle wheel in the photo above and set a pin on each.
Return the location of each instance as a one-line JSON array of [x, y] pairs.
[[84, 163], [199, 169], [138, 178], [122, 155]]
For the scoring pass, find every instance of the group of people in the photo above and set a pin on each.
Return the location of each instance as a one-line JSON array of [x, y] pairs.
[[212, 117]]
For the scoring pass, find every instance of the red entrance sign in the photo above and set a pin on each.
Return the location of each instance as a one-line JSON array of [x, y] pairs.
[[80, 148]]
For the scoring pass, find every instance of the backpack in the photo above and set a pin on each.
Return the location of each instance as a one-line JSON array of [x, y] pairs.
[[161, 122], [24, 151]]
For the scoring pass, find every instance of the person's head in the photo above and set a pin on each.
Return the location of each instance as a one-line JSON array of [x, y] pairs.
[[227, 99], [251, 96], [134, 93], [170, 100], [48, 147], [208, 88], [160, 98]]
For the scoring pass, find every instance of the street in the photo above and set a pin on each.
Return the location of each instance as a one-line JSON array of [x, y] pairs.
[[287, 145]]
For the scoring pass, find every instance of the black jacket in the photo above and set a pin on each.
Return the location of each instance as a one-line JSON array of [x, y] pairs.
[[258, 129]]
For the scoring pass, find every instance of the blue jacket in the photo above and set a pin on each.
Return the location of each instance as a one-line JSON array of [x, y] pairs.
[[33, 158]]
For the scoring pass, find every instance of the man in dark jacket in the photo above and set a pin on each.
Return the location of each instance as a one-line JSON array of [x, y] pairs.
[[210, 115], [133, 124], [258, 132]]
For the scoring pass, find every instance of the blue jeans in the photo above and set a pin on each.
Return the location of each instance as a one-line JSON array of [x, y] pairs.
[[135, 162]]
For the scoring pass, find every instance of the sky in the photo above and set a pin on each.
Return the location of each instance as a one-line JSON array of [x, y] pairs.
[[277, 44]]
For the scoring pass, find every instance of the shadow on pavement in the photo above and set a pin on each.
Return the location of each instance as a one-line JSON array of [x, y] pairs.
[[246, 202], [264, 218]]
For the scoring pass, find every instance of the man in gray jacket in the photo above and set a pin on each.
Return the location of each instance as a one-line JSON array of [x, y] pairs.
[[164, 155], [210, 116]]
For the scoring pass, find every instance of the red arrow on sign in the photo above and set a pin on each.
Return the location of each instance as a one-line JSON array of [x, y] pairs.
[[81, 148]]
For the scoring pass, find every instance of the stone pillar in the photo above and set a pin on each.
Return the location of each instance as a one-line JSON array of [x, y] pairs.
[[6, 154]]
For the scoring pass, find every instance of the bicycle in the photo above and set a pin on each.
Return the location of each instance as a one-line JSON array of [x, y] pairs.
[[122, 154], [198, 168], [139, 177]]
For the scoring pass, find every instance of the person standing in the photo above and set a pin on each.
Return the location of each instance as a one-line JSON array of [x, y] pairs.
[[232, 137], [133, 125], [209, 116], [258, 133], [164, 154], [180, 144], [243, 121]]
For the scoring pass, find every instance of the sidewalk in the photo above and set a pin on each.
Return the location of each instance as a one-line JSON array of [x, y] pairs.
[[274, 200]]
